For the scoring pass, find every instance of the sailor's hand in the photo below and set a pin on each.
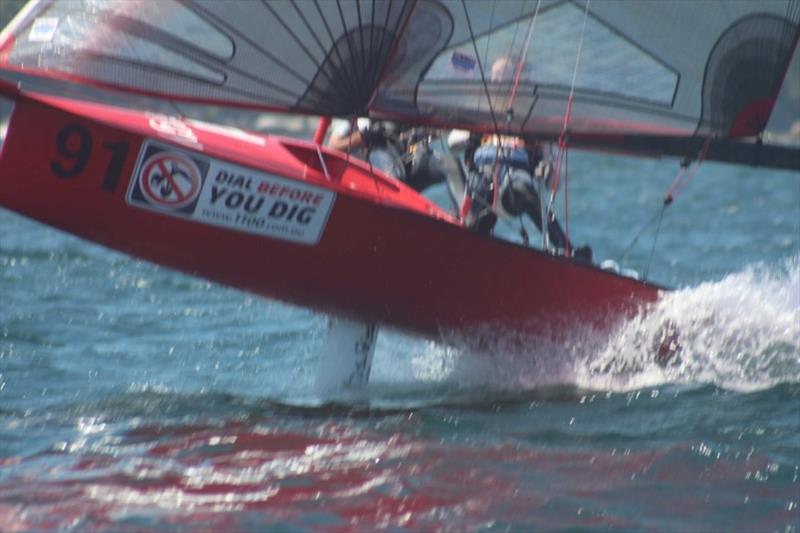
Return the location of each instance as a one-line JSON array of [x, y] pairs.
[[544, 170], [457, 139]]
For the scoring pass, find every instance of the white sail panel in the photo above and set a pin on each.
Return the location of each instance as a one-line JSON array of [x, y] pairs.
[[610, 63], [673, 67]]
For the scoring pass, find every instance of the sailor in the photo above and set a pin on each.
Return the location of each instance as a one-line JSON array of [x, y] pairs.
[[400, 151], [519, 166]]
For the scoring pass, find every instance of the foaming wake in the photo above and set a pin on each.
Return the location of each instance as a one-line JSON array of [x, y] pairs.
[[740, 333]]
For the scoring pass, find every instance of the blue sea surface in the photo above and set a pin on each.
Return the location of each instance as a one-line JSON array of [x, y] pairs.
[[137, 398]]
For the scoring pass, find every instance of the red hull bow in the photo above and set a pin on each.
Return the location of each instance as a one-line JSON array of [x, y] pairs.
[[285, 219]]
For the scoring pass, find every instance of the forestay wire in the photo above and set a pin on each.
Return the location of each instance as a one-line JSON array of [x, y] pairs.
[[685, 175]]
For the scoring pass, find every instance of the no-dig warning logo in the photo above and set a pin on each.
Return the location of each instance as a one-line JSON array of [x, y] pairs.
[[177, 182], [167, 179]]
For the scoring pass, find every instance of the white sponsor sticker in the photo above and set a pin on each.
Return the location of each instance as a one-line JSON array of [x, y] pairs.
[[43, 29], [174, 127], [167, 179]]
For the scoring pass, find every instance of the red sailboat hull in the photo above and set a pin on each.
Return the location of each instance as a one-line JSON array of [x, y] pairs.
[[283, 219]]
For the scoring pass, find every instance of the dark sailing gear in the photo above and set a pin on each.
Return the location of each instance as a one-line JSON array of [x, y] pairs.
[[480, 216], [518, 191]]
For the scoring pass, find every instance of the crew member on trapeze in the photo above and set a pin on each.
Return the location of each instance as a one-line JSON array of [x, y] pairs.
[[519, 165]]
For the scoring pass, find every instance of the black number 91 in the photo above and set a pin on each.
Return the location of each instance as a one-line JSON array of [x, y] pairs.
[[77, 155], [74, 146]]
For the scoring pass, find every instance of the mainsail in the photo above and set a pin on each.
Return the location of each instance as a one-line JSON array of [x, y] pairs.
[[647, 70]]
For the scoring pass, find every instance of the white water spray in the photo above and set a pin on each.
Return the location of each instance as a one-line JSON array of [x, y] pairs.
[[740, 333]]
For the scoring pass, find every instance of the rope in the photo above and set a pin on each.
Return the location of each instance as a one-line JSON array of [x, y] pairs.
[[655, 239], [543, 210], [491, 108], [641, 232], [523, 58], [496, 175], [567, 251], [353, 129], [510, 108], [575, 71], [685, 175], [562, 138], [486, 48], [480, 66]]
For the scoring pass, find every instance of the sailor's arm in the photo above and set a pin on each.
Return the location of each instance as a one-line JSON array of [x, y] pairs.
[[345, 142], [344, 137]]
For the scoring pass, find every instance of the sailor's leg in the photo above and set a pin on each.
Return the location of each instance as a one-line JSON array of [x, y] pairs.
[[479, 215], [346, 358], [519, 195], [556, 234], [456, 180]]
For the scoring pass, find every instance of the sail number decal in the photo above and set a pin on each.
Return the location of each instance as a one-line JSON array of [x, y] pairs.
[[177, 182], [74, 147]]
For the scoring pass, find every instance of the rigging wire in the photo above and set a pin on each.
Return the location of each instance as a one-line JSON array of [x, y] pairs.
[[523, 59], [509, 105], [655, 239], [373, 69], [404, 19], [335, 48], [509, 100], [685, 175], [488, 45], [337, 87], [512, 46], [361, 38], [562, 138], [378, 71], [357, 78], [480, 66], [381, 73], [489, 102], [638, 235]]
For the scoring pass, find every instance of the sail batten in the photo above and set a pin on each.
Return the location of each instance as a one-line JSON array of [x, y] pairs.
[[715, 69]]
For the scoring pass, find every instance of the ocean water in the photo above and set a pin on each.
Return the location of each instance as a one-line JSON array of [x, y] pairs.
[[136, 398]]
